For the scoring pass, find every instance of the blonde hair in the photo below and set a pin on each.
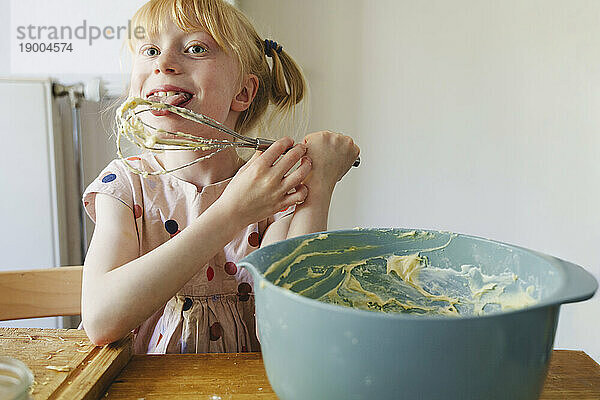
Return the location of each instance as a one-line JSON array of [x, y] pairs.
[[282, 85]]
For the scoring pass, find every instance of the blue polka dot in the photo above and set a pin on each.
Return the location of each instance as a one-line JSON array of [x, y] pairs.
[[171, 226], [109, 178]]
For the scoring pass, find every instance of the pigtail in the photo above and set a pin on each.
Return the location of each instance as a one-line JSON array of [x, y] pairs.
[[288, 85], [281, 84]]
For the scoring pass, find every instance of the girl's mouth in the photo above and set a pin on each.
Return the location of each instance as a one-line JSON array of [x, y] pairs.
[[174, 98]]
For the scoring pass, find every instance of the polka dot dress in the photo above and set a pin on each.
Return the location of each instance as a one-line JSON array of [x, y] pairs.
[[214, 311]]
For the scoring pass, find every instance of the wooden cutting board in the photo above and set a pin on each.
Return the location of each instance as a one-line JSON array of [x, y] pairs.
[[65, 364]]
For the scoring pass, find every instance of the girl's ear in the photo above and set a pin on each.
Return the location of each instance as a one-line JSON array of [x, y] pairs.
[[247, 92]]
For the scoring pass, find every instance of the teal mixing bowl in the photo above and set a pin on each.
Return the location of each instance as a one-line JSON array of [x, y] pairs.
[[315, 350]]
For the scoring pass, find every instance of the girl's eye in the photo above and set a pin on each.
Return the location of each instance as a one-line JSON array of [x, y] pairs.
[[196, 49], [150, 51]]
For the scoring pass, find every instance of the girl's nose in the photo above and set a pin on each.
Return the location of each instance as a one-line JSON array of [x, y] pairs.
[[167, 63]]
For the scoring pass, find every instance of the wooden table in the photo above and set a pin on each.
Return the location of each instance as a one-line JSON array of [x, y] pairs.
[[240, 376], [572, 375]]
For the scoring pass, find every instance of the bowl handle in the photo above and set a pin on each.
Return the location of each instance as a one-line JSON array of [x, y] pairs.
[[579, 284]]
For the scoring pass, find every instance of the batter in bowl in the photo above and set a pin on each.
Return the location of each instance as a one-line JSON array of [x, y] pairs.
[[404, 283]]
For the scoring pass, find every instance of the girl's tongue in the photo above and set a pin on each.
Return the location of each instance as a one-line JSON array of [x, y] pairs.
[[172, 98]]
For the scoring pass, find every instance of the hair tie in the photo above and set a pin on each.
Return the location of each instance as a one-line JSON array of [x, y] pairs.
[[271, 45]]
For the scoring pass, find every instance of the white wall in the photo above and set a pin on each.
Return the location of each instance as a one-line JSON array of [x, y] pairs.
[[478, 117]]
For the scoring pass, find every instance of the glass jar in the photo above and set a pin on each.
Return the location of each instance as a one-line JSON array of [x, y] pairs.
[[15, 379]]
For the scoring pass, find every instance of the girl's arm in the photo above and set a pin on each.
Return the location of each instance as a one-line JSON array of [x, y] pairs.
[[309, 216], [121, 290], [332, 155]]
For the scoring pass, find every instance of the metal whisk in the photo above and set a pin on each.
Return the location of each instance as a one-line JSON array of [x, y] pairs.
[[134, 129]]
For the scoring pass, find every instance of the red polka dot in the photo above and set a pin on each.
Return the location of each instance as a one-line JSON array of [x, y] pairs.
[[244, 290], [253, 239], [137, 211], [210, 273], [85, 203], [216, 331], [230, 268], [133, 159]]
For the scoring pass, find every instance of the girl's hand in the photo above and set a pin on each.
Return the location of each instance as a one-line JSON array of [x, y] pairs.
[[260, 188], [332, 155]]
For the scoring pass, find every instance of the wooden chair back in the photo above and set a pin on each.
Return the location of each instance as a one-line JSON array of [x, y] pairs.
[[48, 292]]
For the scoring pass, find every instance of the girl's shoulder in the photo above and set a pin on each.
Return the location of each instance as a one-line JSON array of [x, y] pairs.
[[120, 180], [131, 170]]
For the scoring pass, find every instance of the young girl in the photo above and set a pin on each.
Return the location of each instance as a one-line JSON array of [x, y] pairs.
[[162, 260]]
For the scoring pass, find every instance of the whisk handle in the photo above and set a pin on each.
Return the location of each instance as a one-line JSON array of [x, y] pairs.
[[263, 144]]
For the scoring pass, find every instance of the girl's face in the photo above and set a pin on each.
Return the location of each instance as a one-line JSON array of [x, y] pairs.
[[188, 70]]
